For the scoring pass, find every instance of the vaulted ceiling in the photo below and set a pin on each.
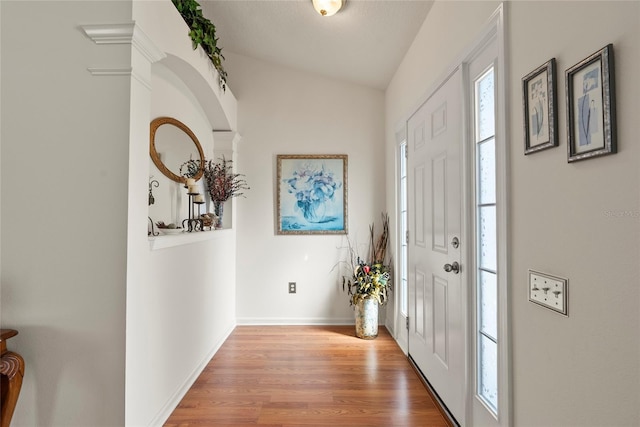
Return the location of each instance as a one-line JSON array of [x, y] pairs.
[[363, 43]]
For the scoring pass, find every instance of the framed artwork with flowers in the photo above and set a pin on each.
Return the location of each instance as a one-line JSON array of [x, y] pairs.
[[312, 194], [539, 96], [591, 112]]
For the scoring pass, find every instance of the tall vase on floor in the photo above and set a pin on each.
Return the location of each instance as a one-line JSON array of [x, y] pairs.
[[218, 209], [367, 318]]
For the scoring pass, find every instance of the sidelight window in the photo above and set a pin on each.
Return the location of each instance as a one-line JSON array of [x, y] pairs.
[[486, 274], [402, 215]]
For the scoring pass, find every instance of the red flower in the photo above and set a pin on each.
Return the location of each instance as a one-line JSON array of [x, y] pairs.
[[366, 269]]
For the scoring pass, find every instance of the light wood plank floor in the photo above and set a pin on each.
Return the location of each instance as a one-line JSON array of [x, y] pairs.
[[311, 376]]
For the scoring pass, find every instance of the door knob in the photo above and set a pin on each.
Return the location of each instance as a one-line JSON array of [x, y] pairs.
[[455, 267]]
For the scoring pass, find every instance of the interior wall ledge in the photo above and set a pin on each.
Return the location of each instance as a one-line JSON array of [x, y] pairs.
[[162, 242]]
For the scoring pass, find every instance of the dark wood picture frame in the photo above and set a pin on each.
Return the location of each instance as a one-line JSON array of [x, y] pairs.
[[539, 102]]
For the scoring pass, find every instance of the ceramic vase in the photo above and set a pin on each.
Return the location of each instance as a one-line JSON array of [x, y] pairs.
[[367, 318]]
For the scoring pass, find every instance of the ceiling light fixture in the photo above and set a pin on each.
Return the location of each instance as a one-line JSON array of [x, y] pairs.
[[327, 7]]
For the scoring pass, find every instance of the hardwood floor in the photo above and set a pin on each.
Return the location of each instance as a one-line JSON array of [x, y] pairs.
[[311, 376]]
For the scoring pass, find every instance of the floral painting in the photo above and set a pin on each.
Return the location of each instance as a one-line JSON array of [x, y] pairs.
[[591, 112], [540, 108], [312, 194]]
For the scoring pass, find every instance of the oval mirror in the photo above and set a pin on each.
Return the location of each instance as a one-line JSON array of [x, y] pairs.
[[172, 145]]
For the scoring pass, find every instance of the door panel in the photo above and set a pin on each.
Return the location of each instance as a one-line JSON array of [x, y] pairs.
[[439, 204], [440, 320], [421, 295], [418, 211], [436, 335]]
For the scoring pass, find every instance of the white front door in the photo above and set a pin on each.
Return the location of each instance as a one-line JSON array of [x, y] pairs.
[[436, 321]]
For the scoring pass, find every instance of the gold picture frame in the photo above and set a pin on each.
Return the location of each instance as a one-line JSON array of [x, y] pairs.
[[312, 194]]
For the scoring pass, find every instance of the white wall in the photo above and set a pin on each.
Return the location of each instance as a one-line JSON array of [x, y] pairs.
[[112, 333], [185, 307], [281, 111], [64, 212], [184, 312], [578, 221], [180, 299], [583, 237]]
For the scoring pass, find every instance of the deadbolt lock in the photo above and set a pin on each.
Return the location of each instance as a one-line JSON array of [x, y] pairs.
[[455, 242]]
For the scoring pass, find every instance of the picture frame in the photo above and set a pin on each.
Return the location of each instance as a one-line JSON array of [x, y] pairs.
[[311, 194], [539, 101], [591, 113]]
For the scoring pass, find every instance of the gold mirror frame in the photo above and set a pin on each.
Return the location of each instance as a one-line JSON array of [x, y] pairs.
[[155, 124]]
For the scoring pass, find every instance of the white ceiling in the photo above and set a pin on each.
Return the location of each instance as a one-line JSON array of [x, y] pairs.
[[363, 43]]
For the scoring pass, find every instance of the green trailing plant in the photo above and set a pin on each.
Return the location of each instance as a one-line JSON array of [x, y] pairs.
[[203, 33]]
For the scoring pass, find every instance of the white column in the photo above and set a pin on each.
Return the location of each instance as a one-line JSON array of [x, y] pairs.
[[225, 143]]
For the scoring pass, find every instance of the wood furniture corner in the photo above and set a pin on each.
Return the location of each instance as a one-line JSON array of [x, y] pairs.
[[11, 374]]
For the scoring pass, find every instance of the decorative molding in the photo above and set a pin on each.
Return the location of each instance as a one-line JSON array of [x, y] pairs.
[[110, 71], [126, 33], [146, 82], [110, 33], [145, 45], [126, 71]]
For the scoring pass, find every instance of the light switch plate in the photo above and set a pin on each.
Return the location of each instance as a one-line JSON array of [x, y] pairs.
[[549, 291]]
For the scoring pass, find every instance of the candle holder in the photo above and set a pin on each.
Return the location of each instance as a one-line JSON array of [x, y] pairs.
[[192, 223], [152, 200], [198, 217], [153, 231]]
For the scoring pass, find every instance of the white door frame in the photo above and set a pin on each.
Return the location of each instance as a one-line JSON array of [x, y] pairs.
[[399, 319], [494, 30]]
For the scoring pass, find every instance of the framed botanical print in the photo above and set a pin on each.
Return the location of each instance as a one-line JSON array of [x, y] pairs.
[[539, 101], [312, 194], [591, 113]]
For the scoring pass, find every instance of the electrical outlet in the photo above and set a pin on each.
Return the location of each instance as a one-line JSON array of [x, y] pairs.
[[549, 291], [292, 287]]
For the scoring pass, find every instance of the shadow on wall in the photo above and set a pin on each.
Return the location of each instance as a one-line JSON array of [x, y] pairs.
[[72, 367]]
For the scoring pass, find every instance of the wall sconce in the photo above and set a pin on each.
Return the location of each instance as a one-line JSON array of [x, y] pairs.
[[327, 7], [152, 183]]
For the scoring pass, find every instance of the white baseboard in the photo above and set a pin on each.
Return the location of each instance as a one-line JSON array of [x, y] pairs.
[[261, 321], [389, 326], [175, 399]]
